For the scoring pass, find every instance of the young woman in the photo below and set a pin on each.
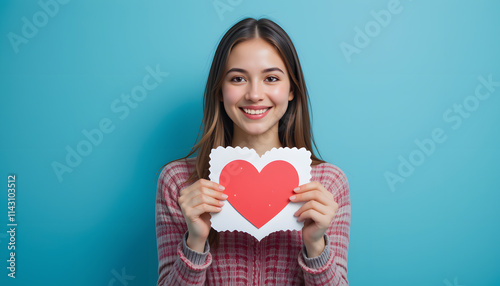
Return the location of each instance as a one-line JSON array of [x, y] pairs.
[[255, 97]]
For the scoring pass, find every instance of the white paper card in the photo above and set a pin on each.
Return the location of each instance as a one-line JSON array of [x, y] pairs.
[[229, 219]]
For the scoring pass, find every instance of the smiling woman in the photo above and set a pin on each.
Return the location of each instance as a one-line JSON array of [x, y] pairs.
[[255, 97]]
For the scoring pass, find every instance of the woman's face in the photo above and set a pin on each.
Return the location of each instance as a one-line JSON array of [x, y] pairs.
[[256, 88]]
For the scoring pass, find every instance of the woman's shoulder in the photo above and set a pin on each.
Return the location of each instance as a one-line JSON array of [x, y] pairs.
[[328, 174], [178, 170]]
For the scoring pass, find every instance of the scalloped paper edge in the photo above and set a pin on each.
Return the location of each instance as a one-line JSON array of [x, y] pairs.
[[231, 220]]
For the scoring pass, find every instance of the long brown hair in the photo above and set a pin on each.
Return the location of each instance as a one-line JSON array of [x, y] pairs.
[[294, 127]]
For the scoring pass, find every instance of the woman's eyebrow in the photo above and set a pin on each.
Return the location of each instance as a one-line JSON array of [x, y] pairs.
[[263, 71]]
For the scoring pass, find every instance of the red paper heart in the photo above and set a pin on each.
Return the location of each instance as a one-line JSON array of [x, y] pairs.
[[259, 197]]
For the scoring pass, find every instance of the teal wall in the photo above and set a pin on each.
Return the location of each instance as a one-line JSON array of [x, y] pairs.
[[405, 101]]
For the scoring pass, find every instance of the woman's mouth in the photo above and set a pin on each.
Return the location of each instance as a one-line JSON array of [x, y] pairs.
[[255, 112]]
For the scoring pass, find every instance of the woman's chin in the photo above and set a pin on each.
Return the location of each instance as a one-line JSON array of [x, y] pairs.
[[257, 131]]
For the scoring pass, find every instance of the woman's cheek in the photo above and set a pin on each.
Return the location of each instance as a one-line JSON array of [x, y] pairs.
[[230, 95], [279, 96]]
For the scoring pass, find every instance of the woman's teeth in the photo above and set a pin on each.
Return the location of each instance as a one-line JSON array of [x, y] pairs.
[[255, 111]]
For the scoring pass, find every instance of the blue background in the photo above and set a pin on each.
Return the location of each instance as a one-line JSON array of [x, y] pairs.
[[438, 227]]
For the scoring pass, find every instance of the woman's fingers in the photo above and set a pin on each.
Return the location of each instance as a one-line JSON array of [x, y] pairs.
[[203, 196], [205, 199], [202, 183], [204, 187], [320, 204], [317, 195], [313, 215], [203, 192], [313, 205], [312, 191], [195, 212], [309, 187]]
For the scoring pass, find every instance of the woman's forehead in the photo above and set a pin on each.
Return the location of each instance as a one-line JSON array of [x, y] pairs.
[[255, 54]]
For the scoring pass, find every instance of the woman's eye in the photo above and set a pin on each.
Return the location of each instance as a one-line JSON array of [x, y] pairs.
[[237, 79], [272, 78]]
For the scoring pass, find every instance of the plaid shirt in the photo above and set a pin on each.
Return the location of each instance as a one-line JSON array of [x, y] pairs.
[[239, 258]]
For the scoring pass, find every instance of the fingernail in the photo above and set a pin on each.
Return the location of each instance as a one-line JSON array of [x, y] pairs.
[[224, 196], [293, 198], [219, 209], [221, 188], [221, 203], [296, 189]]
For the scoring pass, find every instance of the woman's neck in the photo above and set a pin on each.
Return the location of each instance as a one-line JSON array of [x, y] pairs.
[[260, 143]]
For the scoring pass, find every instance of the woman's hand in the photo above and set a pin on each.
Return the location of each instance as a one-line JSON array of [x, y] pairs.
[[197, 202], [317, 213]]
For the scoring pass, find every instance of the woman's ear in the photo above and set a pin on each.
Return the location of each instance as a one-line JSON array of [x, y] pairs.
[[291, 95]]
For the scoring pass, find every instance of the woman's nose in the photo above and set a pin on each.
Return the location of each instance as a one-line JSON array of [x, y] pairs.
[[255, 92]]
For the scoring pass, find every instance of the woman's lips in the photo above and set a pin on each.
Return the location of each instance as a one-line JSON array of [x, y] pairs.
[[255, 112]]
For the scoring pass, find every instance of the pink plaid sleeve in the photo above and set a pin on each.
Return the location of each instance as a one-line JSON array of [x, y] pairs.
[[174, 267], [334, 271]]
